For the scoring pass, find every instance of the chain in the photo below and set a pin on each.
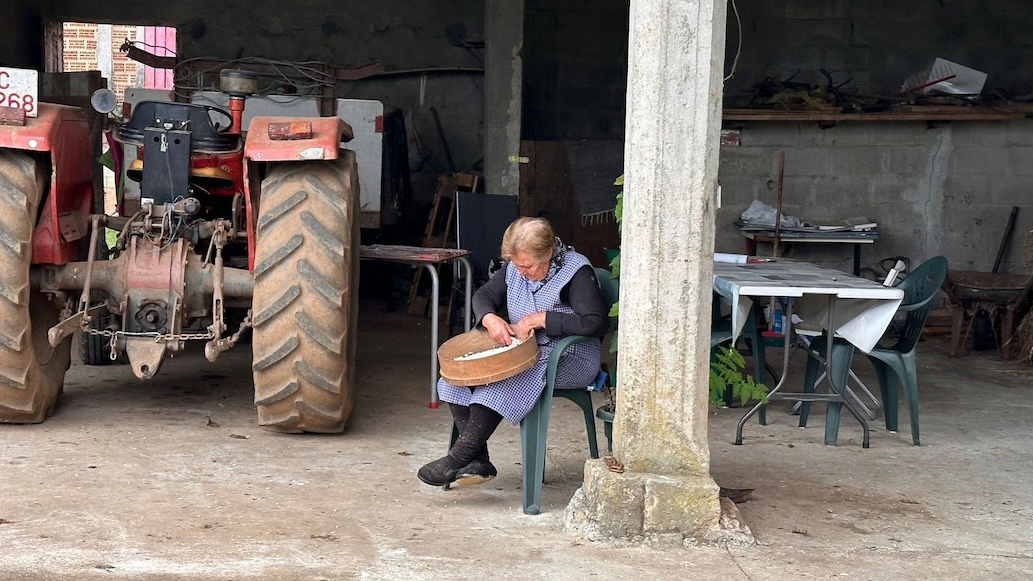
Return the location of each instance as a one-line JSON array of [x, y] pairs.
[[244, 325], [113, 335], [156, 336]]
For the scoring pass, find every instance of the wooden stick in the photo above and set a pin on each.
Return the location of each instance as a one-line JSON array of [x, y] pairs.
[[778, 230], [1004, 239], [778, 204]]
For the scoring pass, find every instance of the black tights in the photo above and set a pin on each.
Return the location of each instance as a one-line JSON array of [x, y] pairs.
[[476, 424]]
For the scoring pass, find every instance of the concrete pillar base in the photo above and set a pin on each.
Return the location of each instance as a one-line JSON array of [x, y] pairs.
[[654, 509]]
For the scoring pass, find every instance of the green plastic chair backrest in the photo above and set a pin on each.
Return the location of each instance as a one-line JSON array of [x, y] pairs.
[[919, 288], [608, 288]]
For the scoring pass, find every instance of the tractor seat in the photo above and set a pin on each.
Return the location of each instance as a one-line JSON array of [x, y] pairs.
[[204, 137]]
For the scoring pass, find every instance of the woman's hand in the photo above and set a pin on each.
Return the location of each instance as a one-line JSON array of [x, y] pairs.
[[525, 327], [497, 328]]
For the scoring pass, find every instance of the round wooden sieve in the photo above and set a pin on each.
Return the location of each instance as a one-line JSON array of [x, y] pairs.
[[495, 367]]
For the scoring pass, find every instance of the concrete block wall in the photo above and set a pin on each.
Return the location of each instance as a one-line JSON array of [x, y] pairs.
[[943, 189]]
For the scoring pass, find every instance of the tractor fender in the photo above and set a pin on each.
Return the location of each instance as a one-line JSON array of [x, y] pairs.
[[284, 143], [40, 133], [62, 133]]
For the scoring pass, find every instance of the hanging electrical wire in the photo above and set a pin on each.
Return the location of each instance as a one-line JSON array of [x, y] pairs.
[[738, 47], [129, 42], [303, 78]]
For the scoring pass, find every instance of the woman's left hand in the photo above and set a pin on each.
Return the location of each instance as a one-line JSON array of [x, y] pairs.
[[525, 327]]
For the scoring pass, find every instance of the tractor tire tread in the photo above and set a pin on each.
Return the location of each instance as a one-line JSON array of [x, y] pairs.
[[31, 372], [306, 272]]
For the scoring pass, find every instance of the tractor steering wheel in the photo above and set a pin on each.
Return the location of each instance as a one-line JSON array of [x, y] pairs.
[[224, 113]]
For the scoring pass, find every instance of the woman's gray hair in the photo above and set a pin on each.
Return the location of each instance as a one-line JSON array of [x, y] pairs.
[[531, 236]]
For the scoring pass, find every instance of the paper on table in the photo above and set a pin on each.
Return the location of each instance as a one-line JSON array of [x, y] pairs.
[[725, 257], [848, 224]]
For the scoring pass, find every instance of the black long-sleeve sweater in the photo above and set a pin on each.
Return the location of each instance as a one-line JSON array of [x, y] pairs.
[[581, 293]]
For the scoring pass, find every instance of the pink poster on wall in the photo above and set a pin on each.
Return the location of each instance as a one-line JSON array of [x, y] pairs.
[[161, 40]]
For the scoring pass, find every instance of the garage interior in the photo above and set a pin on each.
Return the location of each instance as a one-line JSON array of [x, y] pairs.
[[167, 480]]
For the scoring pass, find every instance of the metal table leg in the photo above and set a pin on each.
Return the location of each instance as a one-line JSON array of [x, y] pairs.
[[434, 288], [788, 331], [836, 395], [870, 412]]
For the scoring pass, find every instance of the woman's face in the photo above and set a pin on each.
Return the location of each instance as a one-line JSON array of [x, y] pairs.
[[528, 267]]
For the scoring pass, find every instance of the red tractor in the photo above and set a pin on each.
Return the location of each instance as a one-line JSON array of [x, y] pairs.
[[258, 228]]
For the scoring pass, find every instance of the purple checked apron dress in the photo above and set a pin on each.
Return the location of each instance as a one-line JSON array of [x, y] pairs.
[[578, 366]]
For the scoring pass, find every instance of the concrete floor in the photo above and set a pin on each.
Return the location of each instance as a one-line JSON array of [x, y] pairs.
[[171, 479]]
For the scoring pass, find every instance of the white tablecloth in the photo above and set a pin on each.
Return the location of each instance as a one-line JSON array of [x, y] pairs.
[[862, 310]]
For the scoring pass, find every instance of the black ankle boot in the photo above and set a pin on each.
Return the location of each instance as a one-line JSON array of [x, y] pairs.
[[438, 473]]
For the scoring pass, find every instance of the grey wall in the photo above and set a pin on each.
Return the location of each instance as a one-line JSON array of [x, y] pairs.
[[345, 33], [575, 69], [941, 190], [20, 32], [944, 190], [878, 43]]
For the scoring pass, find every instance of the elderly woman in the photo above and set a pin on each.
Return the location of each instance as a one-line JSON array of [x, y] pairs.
[[549, 291]]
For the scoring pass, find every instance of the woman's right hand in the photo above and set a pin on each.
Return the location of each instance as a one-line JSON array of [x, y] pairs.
[[497, 328]]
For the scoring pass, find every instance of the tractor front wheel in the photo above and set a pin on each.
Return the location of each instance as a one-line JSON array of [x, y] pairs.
[[305, 305], [32, 372]]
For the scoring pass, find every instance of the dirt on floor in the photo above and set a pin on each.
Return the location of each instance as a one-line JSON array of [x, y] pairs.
[[172, 479]]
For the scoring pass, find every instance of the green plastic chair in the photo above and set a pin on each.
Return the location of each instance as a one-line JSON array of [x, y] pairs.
[[894, 364], [534, 427]]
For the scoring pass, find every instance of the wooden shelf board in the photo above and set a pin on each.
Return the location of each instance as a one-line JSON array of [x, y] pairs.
[[908, 113]]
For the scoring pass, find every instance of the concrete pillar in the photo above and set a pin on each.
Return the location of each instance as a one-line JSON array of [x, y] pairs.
[[105, 58], [665, 493], [503, 79]]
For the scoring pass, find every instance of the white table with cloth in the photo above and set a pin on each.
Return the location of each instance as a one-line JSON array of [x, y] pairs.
[[855, 309]]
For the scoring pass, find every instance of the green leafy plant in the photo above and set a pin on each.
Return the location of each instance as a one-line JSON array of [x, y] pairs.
[[726, 367], [727, 364]]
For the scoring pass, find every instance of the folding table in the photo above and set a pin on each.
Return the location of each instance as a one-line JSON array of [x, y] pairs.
[[430, 258], [852, 308]]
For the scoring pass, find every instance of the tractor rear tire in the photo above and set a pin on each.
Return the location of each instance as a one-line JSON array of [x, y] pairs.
[[32, 373], [305, 305]]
